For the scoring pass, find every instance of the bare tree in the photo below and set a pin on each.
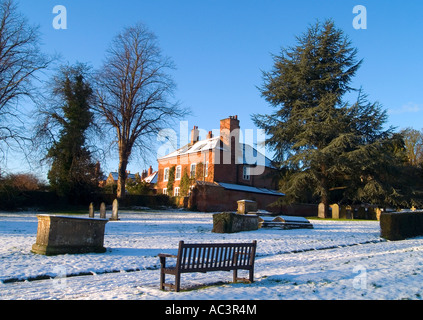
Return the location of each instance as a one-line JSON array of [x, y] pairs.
[[413, 141], [134, 90], [20, 60]]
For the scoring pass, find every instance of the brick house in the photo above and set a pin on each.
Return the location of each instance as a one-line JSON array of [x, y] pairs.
[[221, 169], [148, 176]]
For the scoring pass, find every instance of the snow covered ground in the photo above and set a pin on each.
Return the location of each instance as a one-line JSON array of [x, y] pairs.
[[335, 260]]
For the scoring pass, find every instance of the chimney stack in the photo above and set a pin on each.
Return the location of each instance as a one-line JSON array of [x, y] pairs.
[[195, 135], [229, 127], [229, 135], [150, 171], [209, 135]]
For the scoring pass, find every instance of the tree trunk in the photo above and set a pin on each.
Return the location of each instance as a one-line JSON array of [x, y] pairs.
[[123, 163], [324, 191], [325, 201]]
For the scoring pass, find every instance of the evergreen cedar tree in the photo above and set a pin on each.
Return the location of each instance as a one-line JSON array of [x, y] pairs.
[[323, 145]]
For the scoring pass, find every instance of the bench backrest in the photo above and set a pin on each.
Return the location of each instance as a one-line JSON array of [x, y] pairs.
[[203, 257]]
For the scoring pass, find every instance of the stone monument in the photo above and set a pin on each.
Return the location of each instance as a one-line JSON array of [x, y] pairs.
[[115, 208], [321, 211], [102, 210], [335, 211], [69, 234], [230, 222], [245, 206], [91, 210]]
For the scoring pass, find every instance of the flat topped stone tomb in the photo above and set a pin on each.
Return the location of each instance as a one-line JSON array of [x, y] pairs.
[[68, 234], [230, 222]]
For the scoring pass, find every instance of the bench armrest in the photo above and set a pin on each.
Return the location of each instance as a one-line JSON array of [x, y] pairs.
[[163, 257], [166, 255]]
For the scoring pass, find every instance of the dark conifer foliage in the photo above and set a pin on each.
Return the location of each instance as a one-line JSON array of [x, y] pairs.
[[321, 142], [72, 171]]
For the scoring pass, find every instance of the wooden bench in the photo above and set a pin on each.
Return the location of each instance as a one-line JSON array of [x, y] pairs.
[[205, 257]]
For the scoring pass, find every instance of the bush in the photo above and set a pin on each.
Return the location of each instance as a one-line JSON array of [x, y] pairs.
[[401, 225], [20, 182]]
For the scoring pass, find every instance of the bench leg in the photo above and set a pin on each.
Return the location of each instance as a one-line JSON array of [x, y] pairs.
[[162, 280], [250, 279], [177, 282], [235, 277]]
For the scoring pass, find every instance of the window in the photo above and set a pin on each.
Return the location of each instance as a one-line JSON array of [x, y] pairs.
[[176, 192], [166, 174], [164, 190], [192, 172], [178, 173], [246, 173], [206, 169]]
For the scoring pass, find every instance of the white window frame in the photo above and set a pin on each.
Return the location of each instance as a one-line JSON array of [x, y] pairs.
[[165, 191], [178, 170], [176, 192], [246, 173], [166, 174], [191, 175], [206, 169]]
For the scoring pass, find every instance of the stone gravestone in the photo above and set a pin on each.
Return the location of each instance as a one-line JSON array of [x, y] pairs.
[[115, 208], [335, 211], [321, 211], [102, 210], [91, 210]]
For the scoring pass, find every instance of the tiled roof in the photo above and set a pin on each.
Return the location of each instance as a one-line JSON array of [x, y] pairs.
[[152, 178], [115, 175], [250, 155], [239, 187], [203, 145]]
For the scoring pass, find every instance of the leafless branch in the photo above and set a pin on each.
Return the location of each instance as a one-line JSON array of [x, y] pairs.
[[20, 63], [134, 91]]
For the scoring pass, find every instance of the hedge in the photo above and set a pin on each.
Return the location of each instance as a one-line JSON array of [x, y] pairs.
[[401, 225], [12, 201]]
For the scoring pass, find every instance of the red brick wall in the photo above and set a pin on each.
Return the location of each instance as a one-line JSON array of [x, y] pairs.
[[215, 198], [185, 162]]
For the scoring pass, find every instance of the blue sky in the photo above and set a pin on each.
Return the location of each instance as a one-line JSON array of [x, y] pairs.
[[221, 47]]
